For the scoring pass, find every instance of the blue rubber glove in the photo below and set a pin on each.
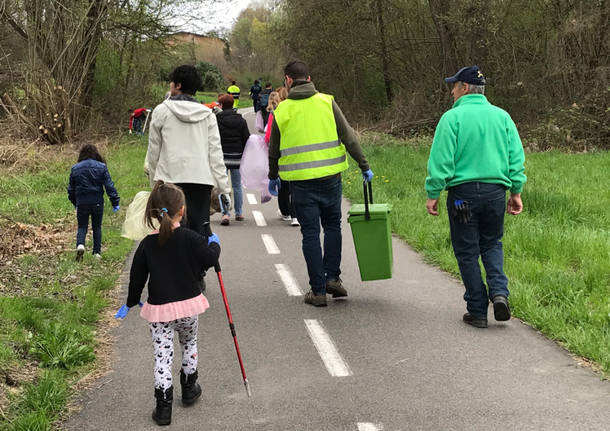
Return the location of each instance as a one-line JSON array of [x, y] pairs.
[[122, 313], [213, 238], [367, 175], [116, 208], [274, 186]]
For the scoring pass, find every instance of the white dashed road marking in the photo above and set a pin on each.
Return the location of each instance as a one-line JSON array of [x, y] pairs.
[[333, 361], [270, 244], [251, 199], [290, 283], [259, 218], [366, 426]]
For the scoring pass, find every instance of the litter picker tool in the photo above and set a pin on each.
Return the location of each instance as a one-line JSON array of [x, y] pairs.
[[208, 232]]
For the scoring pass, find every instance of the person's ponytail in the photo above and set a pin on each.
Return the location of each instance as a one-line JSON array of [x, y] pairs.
[[165, 226]]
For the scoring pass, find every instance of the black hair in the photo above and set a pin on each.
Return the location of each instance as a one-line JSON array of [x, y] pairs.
[[256, 82], [89, 151], [296, 69], [268, 84], [188, 77], [163, 204], [232, 82]]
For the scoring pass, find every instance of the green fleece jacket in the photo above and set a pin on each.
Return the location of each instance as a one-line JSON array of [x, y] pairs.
[[475, 141], [302, 90]]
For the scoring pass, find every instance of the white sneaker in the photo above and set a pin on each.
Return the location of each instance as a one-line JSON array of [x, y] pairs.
[[295, 222], [97, 256], [287, 218], [80, 251]]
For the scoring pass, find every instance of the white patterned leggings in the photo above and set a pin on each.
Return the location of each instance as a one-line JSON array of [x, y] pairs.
[[163, 344]]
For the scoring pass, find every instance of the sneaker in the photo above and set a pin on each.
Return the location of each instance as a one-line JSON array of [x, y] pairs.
[[225, 220], [335, 288], [239, 218], [477, 323], [97, 256], [294, 222], [80, 251], [315, 300], [501, 308], [286, 218]]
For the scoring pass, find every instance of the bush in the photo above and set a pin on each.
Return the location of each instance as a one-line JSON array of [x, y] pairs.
[[211, 76]]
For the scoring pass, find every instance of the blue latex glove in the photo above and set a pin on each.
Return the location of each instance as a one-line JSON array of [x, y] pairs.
[[367, 175], [116, 208], [122, 313], [274, 186], [213, 238]]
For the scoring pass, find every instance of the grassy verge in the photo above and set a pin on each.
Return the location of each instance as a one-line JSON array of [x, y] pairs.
[[49, 304], [557, 252]]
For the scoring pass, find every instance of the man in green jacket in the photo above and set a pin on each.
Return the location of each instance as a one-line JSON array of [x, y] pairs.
[[308, 145], [477, 155]]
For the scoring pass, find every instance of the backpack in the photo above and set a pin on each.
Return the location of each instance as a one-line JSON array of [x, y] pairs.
[[264, 100]]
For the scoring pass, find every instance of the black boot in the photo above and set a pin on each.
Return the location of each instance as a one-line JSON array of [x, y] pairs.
[[163, 413], [191, 390]]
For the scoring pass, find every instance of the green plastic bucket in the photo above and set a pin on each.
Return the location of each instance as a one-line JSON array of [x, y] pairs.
[[372, 239]]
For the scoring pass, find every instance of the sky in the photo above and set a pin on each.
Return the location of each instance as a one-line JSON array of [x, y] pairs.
[[220, 14]]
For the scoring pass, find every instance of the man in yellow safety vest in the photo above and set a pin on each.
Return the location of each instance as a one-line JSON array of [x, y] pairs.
[[309, 140], [234, 90]]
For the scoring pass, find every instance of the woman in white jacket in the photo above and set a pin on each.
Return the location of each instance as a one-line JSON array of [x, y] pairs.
[[184, 147]]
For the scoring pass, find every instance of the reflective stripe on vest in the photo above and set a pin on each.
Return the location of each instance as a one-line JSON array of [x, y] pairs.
[[309, 144]]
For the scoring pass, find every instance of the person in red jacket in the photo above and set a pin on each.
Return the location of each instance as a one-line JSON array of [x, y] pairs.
[[135, 121]]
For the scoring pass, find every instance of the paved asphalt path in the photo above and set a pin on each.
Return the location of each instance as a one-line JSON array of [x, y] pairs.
[[398, 355]]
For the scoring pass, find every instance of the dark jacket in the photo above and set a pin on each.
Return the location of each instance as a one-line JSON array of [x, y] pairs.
[[303, 90], [87, 182], [234, 134], [173, 270]]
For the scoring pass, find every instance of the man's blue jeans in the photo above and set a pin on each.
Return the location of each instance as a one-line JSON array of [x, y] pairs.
[[96, 211], [237, 192], [315, 202], [481, 236]]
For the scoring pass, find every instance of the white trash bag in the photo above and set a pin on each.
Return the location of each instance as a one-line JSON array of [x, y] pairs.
[[134, 226]]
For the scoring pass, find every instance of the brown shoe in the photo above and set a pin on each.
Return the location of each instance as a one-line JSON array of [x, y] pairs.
[[239, 218], [225, 220], [335, 288], [315, 300]]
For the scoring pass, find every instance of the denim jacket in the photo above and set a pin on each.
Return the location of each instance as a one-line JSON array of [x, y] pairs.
[[87, 180]]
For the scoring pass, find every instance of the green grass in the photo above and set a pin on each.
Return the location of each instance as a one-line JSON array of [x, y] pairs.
[[49, 315], [557, 252]]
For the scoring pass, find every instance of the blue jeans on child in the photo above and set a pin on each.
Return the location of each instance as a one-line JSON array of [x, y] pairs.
[[96, 211], [481, 236], [237, 192], [318, 201]]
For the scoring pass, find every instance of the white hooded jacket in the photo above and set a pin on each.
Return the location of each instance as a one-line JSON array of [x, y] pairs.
[[184, 145]]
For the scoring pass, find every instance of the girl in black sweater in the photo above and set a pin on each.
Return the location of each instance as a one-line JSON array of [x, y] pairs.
[[171, 260]]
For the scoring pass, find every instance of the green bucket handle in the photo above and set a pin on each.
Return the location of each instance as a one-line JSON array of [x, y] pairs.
[[367, 198]]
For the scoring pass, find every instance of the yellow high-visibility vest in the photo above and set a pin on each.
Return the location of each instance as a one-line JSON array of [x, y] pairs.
[[233, 90], [309, 144]]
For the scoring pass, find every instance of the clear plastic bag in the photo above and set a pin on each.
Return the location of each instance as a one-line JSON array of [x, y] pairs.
[[254, 167], [134, 226], [259, 122]]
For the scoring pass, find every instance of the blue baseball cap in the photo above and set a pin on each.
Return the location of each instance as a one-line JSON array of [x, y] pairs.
[[469, 75]]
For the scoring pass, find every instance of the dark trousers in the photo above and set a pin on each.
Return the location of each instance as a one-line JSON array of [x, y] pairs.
[[284, 200], [265, 115], [320, 202], [96, 211], [481, 236], [197, 198]]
